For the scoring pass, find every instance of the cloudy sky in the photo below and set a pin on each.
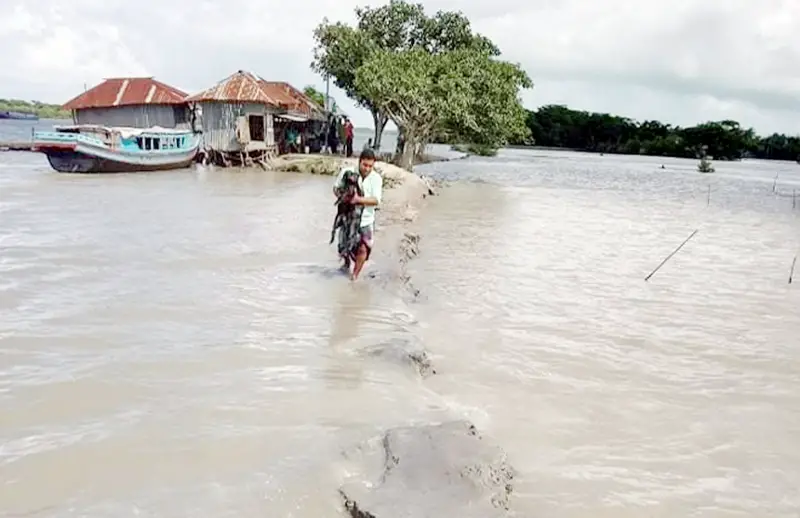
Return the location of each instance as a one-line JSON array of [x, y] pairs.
[[679, 61]]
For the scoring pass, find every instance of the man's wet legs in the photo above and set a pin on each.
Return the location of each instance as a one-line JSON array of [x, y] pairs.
[[361, 258]]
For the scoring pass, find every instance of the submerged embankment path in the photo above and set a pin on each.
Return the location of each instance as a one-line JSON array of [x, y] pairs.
[[438, 468]]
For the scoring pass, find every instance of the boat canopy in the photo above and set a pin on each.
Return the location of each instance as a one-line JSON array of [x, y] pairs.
[[124, 131]]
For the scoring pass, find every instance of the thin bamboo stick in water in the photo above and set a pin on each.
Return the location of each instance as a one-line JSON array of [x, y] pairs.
[[670, 255]]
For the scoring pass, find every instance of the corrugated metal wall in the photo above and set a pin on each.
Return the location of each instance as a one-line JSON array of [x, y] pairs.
[[270, 129], [219, 124], [141, 116]]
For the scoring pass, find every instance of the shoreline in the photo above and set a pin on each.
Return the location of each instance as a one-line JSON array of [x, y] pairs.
[[526, 147]]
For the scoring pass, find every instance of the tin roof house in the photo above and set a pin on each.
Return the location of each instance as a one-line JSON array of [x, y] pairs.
[[295, 105], [237, 116], [134, 102], [297, 117]]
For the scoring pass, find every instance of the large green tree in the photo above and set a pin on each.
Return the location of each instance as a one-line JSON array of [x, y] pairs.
[[483, 106], [398, 26], [421, 91], [404, 86]]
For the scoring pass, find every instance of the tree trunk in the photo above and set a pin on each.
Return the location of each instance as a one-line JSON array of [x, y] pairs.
[[407, 147], [379, 121], [398, 149], [419, 151]]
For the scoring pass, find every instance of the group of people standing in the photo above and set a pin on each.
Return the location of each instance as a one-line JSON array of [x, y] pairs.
[[340, 132]]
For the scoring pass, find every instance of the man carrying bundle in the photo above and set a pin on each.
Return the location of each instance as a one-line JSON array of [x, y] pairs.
[[356, 245]]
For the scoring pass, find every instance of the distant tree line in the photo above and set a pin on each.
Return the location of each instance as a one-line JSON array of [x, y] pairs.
[[559, 126], [43, 110]]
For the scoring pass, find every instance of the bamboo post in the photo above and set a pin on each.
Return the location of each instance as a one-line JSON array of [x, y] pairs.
[[708, 200], [791, 271], [670, 255], [775, 182]]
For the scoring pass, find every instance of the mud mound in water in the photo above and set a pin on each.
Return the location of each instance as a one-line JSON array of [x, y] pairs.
[[404, 351], [408, 249], [444, 470]]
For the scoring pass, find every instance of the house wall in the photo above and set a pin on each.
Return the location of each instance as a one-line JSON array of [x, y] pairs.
[[136, 116], [219, 126]]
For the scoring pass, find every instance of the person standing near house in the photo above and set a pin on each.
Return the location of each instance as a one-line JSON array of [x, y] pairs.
[[348, 137], [333, 136], [371, 184], [340, 128], [291, 139]]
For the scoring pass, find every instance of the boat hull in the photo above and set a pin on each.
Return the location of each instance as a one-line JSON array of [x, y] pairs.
[[65, 161], [80, 154]]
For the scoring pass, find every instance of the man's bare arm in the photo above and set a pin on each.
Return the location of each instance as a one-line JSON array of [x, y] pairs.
[[367, 201]]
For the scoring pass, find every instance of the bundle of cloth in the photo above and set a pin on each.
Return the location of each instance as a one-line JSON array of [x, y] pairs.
[[348, 217]]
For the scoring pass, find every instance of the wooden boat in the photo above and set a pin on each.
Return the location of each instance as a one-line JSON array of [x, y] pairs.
[[101, 149]]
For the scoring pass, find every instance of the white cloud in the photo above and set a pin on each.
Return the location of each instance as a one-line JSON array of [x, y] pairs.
[[681, 61]]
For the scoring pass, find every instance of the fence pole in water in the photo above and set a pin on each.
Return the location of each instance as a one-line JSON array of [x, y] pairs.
[[794, 198], [775, 182], [708, 201], [670, 255], [791, 271]]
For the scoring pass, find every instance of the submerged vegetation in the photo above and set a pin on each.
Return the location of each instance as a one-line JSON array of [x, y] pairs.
[[705, 166], [43, 110], [475, 149]]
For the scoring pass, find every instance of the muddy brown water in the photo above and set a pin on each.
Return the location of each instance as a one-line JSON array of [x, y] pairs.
[[179, 344]]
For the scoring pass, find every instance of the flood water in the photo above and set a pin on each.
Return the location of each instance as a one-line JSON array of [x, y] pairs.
[[181, 344]]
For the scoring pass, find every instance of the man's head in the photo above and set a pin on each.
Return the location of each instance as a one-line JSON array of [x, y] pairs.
[[366, 161]]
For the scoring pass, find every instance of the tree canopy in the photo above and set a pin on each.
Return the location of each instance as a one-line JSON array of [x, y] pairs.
[[401, 37], [465, 89], [315, 95], [406, 87], [559, 126], [483, 107], [339, 51]]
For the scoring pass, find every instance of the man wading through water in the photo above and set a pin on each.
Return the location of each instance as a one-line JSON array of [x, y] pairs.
[[358, 243]]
